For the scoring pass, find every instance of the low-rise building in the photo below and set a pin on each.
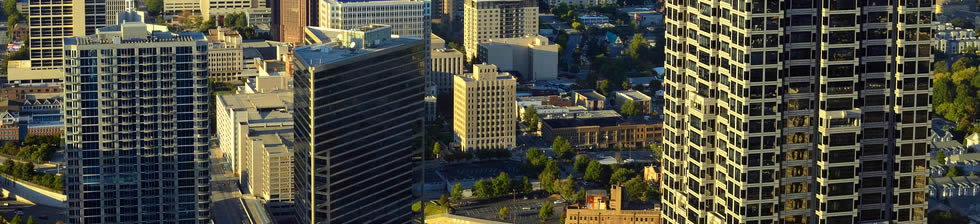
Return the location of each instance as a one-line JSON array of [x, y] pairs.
[[948, 187], [592, 20], [533, 57], [224, 54], [614, 209], [446, 63], [590, 99], [235, 114], [638, 98], [30, 110], [600, 129], [953, 40], [556, 3]]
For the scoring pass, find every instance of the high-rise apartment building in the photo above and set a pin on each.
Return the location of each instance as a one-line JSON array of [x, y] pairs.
[[486, 19], [49, 23], [357, 107], [484, 109], [136, 129], [406, 17], [797, 111]]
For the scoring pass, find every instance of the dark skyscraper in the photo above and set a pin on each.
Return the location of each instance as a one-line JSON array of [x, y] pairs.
[[359, 100]]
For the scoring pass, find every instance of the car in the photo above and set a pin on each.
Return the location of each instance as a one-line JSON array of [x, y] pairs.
[[6, 204], [525, 208], [19, 212], [559, 202], [525, 197]]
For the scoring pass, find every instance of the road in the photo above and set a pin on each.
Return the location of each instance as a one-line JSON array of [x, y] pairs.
[[42, 214], [226, 205], [521, 210], [48, 167]]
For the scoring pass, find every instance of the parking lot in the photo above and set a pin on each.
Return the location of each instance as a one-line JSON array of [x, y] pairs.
[[521, 211], [42, 214]]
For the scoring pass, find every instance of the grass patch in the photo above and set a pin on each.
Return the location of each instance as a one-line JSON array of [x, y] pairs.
[[431, 208]]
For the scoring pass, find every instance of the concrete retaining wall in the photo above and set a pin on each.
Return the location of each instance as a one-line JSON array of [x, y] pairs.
[[25, 192]]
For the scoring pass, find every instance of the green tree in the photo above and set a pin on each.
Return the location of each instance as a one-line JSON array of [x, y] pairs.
[[562, 148], [10, 8], [962, 23], [154, 7], [443, 200], [30, 220], [593, 172], [621, 175], [963, 63], [483, 189], [941, 157], [548, 176], [531, 118], [635, 187], [578, 26], [940, 67], [503, 213], [943, 91], [526, 184], [17, 220], [567, 187], [436, 150], [953, 172], [545, 213], [501, 185], [638, 47], [658, 151], [604, 87], [581, 162], [628, 108], [456, 194]]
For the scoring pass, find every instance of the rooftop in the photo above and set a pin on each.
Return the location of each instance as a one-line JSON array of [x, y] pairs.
[[965, 157], [259, 101], [583, 118], [634, 95], [590, 94], [954, 180], [277, 140], [332, 51]]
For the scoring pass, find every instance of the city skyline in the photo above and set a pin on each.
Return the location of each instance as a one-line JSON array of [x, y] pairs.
[[490, 111]]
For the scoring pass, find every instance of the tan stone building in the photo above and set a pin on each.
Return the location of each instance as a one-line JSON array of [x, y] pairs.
[[486, 19], [600, 129], [614, 209], [224, 54], [483, 107], [446, 63], [532, 56]]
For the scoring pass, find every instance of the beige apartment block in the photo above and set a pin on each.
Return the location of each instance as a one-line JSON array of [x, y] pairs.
[[224, 54], [490, 19], [270, 160], [483, 107], [531, 56], [406, 17], [797, 111], [235, 114], [446, 63]]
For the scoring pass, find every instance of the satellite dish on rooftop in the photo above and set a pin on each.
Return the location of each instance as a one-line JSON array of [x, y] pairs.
[[352, 44]]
